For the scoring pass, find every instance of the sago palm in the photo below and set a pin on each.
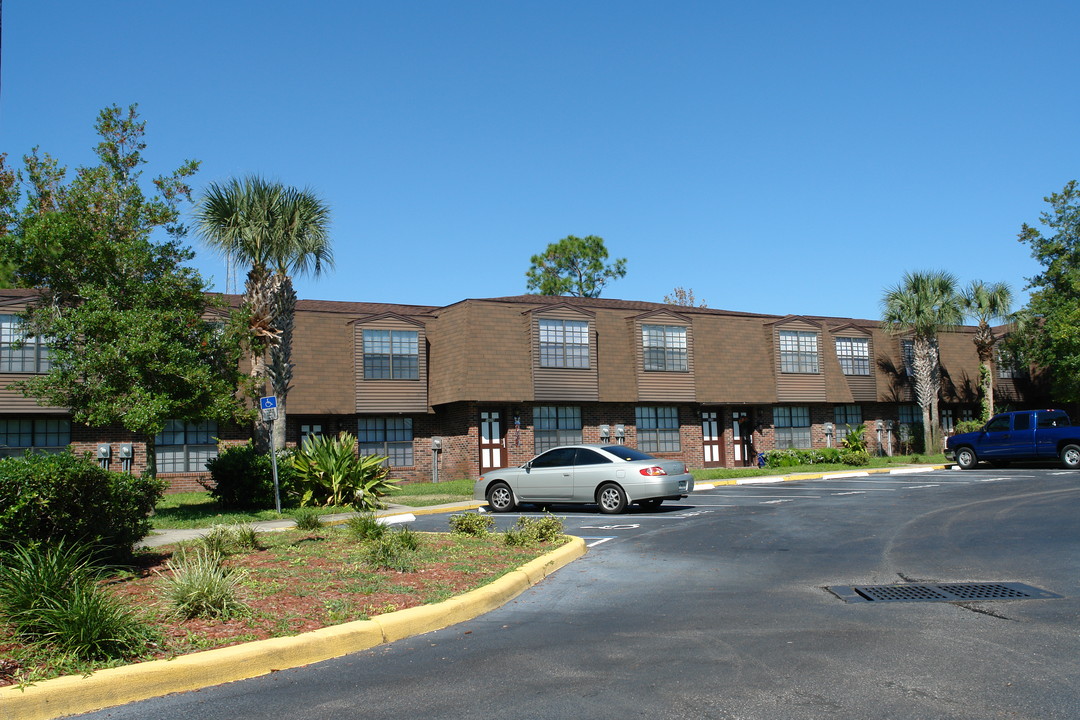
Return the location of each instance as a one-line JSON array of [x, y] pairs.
[[278, 231], [923, 304], [985, 303]]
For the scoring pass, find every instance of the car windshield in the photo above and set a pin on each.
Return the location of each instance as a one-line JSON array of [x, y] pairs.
[[626, 453]]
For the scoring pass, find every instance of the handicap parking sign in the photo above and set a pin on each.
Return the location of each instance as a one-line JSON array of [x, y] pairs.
[[268, 403]]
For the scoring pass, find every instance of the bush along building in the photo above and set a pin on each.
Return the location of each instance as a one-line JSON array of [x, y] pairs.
[[487, 383]]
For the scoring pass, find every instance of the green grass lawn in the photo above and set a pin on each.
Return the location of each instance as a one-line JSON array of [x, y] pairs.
[[875, 462]]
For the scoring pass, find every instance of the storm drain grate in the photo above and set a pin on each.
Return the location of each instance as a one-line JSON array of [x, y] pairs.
[[943, 592]]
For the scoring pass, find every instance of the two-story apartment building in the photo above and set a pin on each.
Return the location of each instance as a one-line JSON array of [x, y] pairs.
[[486, 383]]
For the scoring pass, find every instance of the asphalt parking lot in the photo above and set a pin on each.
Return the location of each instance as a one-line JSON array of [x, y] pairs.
[[719, 607]]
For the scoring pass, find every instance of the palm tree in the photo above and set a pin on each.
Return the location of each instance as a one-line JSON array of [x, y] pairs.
[[278, 231], [923, 304], [986, 303]]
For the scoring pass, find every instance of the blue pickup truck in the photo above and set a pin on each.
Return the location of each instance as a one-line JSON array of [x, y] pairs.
[[1022, 435]]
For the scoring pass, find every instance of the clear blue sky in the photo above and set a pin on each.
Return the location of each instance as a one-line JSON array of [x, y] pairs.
[[778, 157]]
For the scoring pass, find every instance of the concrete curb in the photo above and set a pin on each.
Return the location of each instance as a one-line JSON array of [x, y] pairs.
[[908, 470], [116, 686]]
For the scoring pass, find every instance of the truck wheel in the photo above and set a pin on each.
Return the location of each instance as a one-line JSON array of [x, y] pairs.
[[1070, 457], [966, 458]]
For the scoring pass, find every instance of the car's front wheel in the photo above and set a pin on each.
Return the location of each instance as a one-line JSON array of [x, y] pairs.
[[1070, 457], [501, 498], [966, 458], [611, 498]]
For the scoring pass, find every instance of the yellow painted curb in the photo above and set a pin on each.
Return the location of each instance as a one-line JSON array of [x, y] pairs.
[[72, 695]]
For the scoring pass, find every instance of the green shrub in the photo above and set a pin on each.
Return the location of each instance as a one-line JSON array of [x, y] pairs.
[[968, 426], [50, 594], [365, 526], [225, 540], [474, 524], [329, 472], [243, 479], [198, 585], [855, 439], [829, 455], [48, 498], [393, 551], [854, 457], [528, 531], [307, 519]]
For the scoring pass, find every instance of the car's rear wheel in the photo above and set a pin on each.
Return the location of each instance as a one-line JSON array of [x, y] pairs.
[[651, 503], [1070, 457], [966, 458], [611, 498], [501, 498]]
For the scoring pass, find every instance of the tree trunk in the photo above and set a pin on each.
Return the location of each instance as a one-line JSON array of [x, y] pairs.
[[984, 346], [258, 299], [151, 456], [927, 372], [280, 370]]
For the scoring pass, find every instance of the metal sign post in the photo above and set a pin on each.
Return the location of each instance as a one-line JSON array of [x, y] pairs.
[[268, 408]]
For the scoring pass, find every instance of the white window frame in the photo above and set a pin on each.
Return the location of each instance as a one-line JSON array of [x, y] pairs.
[[799, 352], [664, 348], [854, 355], [563, 343]]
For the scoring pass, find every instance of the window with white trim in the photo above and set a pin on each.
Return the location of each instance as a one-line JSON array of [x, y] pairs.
[[389, 436], [391, 354], [17, 435], [185, 446], [854, 355], [792, 426], [19, 353], [798, 351], [554, 426], [664, 348], [564, 343], [658, 429]]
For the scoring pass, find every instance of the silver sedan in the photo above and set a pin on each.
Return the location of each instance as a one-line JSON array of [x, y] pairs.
[[612, 476]]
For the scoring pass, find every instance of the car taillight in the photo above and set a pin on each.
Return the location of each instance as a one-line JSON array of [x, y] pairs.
[[653, 471]]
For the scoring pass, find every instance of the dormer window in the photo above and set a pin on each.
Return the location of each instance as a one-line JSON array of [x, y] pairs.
[[31, 354], [854, 355], [391, 355], [564, 343], [664, 348], [798, 351]]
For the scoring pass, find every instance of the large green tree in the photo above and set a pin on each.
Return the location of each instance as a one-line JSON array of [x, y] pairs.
[[922, 305], [279, 231], [985, 303], [573, 266], [125, 318], [1050, 340]]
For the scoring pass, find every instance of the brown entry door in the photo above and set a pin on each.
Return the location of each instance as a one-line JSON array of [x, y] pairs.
[[712, 440], [492, 440]]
